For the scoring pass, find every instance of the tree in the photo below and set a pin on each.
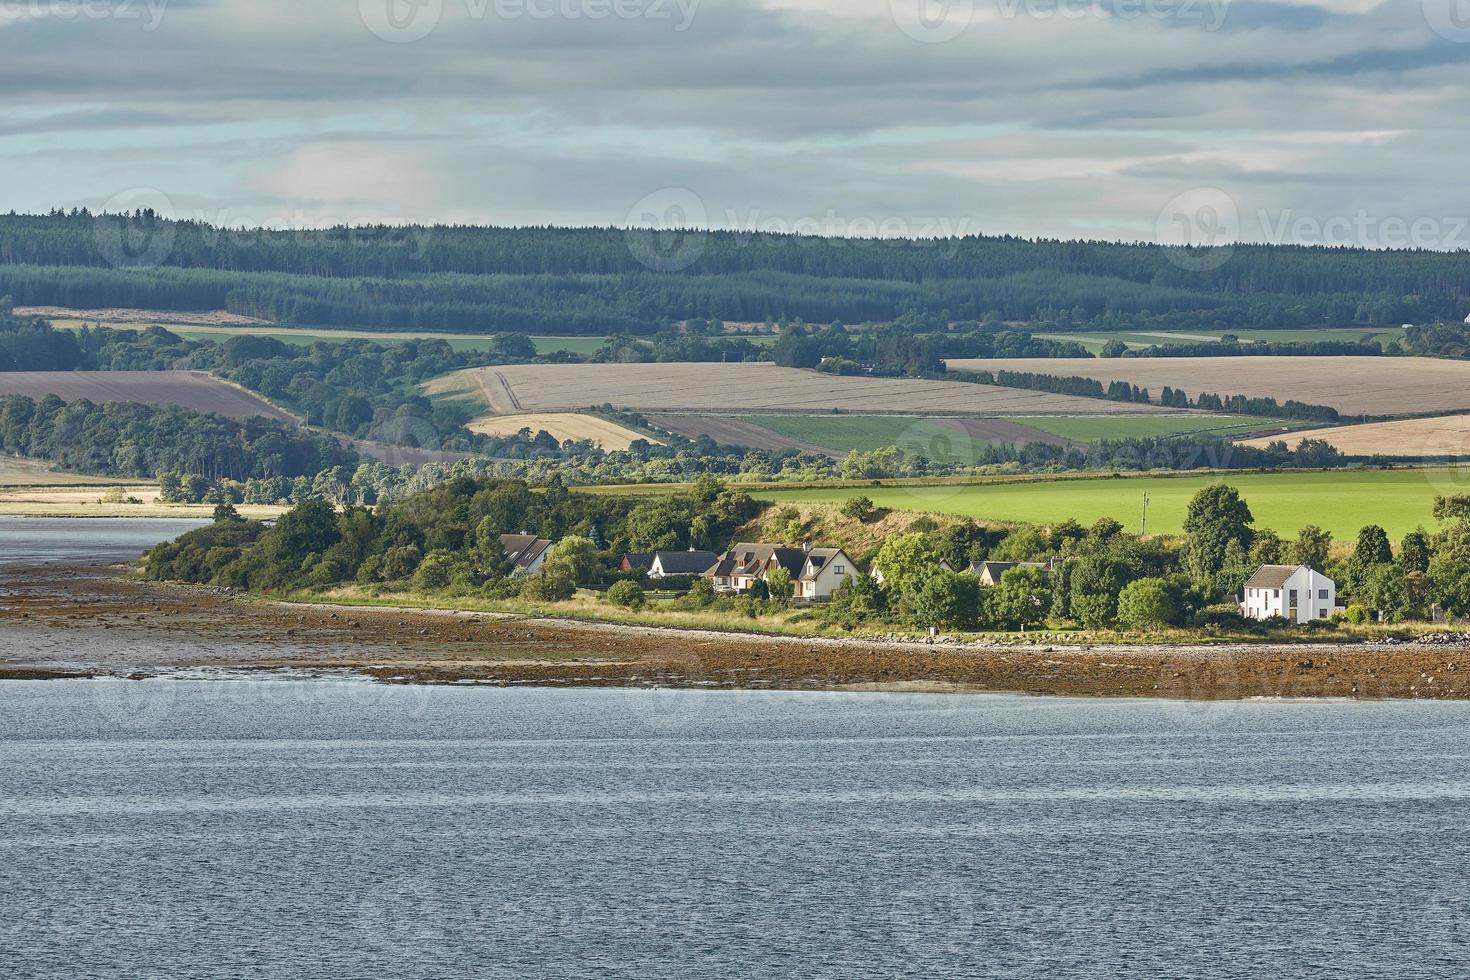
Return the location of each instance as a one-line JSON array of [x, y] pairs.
[[1267, 548], [1114, 348], [1372, 547], [1147, 602], [857, 600], [580, 555], [1217, 516], [947, 600], [308, 528], [1414, 551], [628, 595], [1235, 569], [701, 593], [759, 590], [1311, 547], [1019, 600], [778, 580], [905, 560], [858, 509], [555, 582]]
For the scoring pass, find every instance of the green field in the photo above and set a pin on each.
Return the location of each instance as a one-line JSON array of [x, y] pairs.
[[1341, 501], [1094, 342], [1090, 428], [869, 432]]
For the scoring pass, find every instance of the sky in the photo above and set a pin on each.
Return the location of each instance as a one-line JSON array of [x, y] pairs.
[[1180, 121]]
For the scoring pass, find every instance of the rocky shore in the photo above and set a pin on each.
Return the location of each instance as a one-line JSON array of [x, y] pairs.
[[57, 622]]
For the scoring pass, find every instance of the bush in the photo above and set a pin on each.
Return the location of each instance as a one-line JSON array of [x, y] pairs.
[[701, 593], [1146, 602], [556, 583], [435, 571], [628, 595], [858, 509], [1358, 615]]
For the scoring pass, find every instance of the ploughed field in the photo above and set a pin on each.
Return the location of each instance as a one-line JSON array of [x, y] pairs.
[[745, 387], [187, 389], [1341, 501], [1352, 385]]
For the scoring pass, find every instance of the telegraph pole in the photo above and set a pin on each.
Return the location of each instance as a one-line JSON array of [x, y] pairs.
[[1144, 532]]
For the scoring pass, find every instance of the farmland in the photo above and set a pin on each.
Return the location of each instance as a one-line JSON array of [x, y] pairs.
[[188, 389], [1352, 385], [1406, 438], [1164, 338], [1094, 428], [1341, 501], [742, 388], [561, 426]]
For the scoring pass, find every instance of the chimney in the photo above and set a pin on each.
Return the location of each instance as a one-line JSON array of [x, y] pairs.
[[806, 546]]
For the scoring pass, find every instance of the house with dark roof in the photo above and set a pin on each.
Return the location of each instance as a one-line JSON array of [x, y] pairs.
[[989, 572], [815, 572], [635, 562], [1296, 593], [526, 552], [691, 562]]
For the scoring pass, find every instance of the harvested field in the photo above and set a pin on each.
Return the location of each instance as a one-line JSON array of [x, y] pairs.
[[1407, 439], [1352, 385], [837, 435], [743, 387], [188, 389], [17, 471], [561, 426], [218, 318]]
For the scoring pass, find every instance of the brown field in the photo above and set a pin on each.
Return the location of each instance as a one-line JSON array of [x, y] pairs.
[[561, 426], [188, 389], [735, 432], [742, 388], [1406, 438], [17, 471], [1352, 385]]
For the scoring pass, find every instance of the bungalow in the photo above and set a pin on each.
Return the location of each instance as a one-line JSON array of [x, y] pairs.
[[815, 572], [691, 562], [526, 552], [1294, 592]]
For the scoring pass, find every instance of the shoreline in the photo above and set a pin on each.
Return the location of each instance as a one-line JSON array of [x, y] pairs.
[[136, 629]]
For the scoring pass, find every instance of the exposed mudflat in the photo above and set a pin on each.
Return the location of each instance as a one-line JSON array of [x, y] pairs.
[[88, 620]]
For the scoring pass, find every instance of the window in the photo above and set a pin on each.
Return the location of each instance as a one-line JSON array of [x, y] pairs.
[[1276, 594], [1293, 597], [842, 570], [1321, 593], [1321, 613]]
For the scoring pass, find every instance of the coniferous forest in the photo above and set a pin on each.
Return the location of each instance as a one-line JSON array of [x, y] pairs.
[[606, 281]]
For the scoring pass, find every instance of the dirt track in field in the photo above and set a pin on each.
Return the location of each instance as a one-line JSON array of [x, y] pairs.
[[746, 387], [1352, 385]]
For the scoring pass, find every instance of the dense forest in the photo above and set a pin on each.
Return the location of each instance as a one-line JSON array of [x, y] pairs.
[[598, 280]]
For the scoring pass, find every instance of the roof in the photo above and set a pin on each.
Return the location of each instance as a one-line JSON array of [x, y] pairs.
[[522, 550], [637, 559], [685, 562], [1272, 576], [999, 568], [757, 560]]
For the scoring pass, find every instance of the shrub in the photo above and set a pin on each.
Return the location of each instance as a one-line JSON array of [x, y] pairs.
[[628, 595], [1146, 602], [858, 509], [701, 593], [1358, 615], [435, 571]]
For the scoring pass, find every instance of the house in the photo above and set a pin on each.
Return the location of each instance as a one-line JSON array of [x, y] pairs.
[[815, 572], [1294, 592], [526, 552], [635, 562], [989, 572], [665, 563]]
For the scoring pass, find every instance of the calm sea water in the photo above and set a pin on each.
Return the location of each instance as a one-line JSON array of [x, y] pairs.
[[45, 540], [295, 828]]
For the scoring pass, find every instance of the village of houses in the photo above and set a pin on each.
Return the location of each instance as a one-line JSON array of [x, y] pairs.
[[1296, 593]]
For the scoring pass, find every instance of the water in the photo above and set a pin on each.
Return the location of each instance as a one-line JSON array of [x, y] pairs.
[[64, 540], [284, 828]]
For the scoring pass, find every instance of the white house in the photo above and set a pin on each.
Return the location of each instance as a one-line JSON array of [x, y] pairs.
[[1294, 592], [815, 572], [691, 562]]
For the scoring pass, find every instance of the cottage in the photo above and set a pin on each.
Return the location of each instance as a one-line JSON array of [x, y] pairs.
[[526, 552], [635, 562], [815, 572], [989, 572], [665, 563], [1296, 593]]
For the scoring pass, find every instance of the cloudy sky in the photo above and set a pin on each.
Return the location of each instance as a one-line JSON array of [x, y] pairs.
[[1338, 122]]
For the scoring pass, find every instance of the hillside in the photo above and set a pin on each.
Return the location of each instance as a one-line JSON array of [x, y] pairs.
[[605, 280]]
